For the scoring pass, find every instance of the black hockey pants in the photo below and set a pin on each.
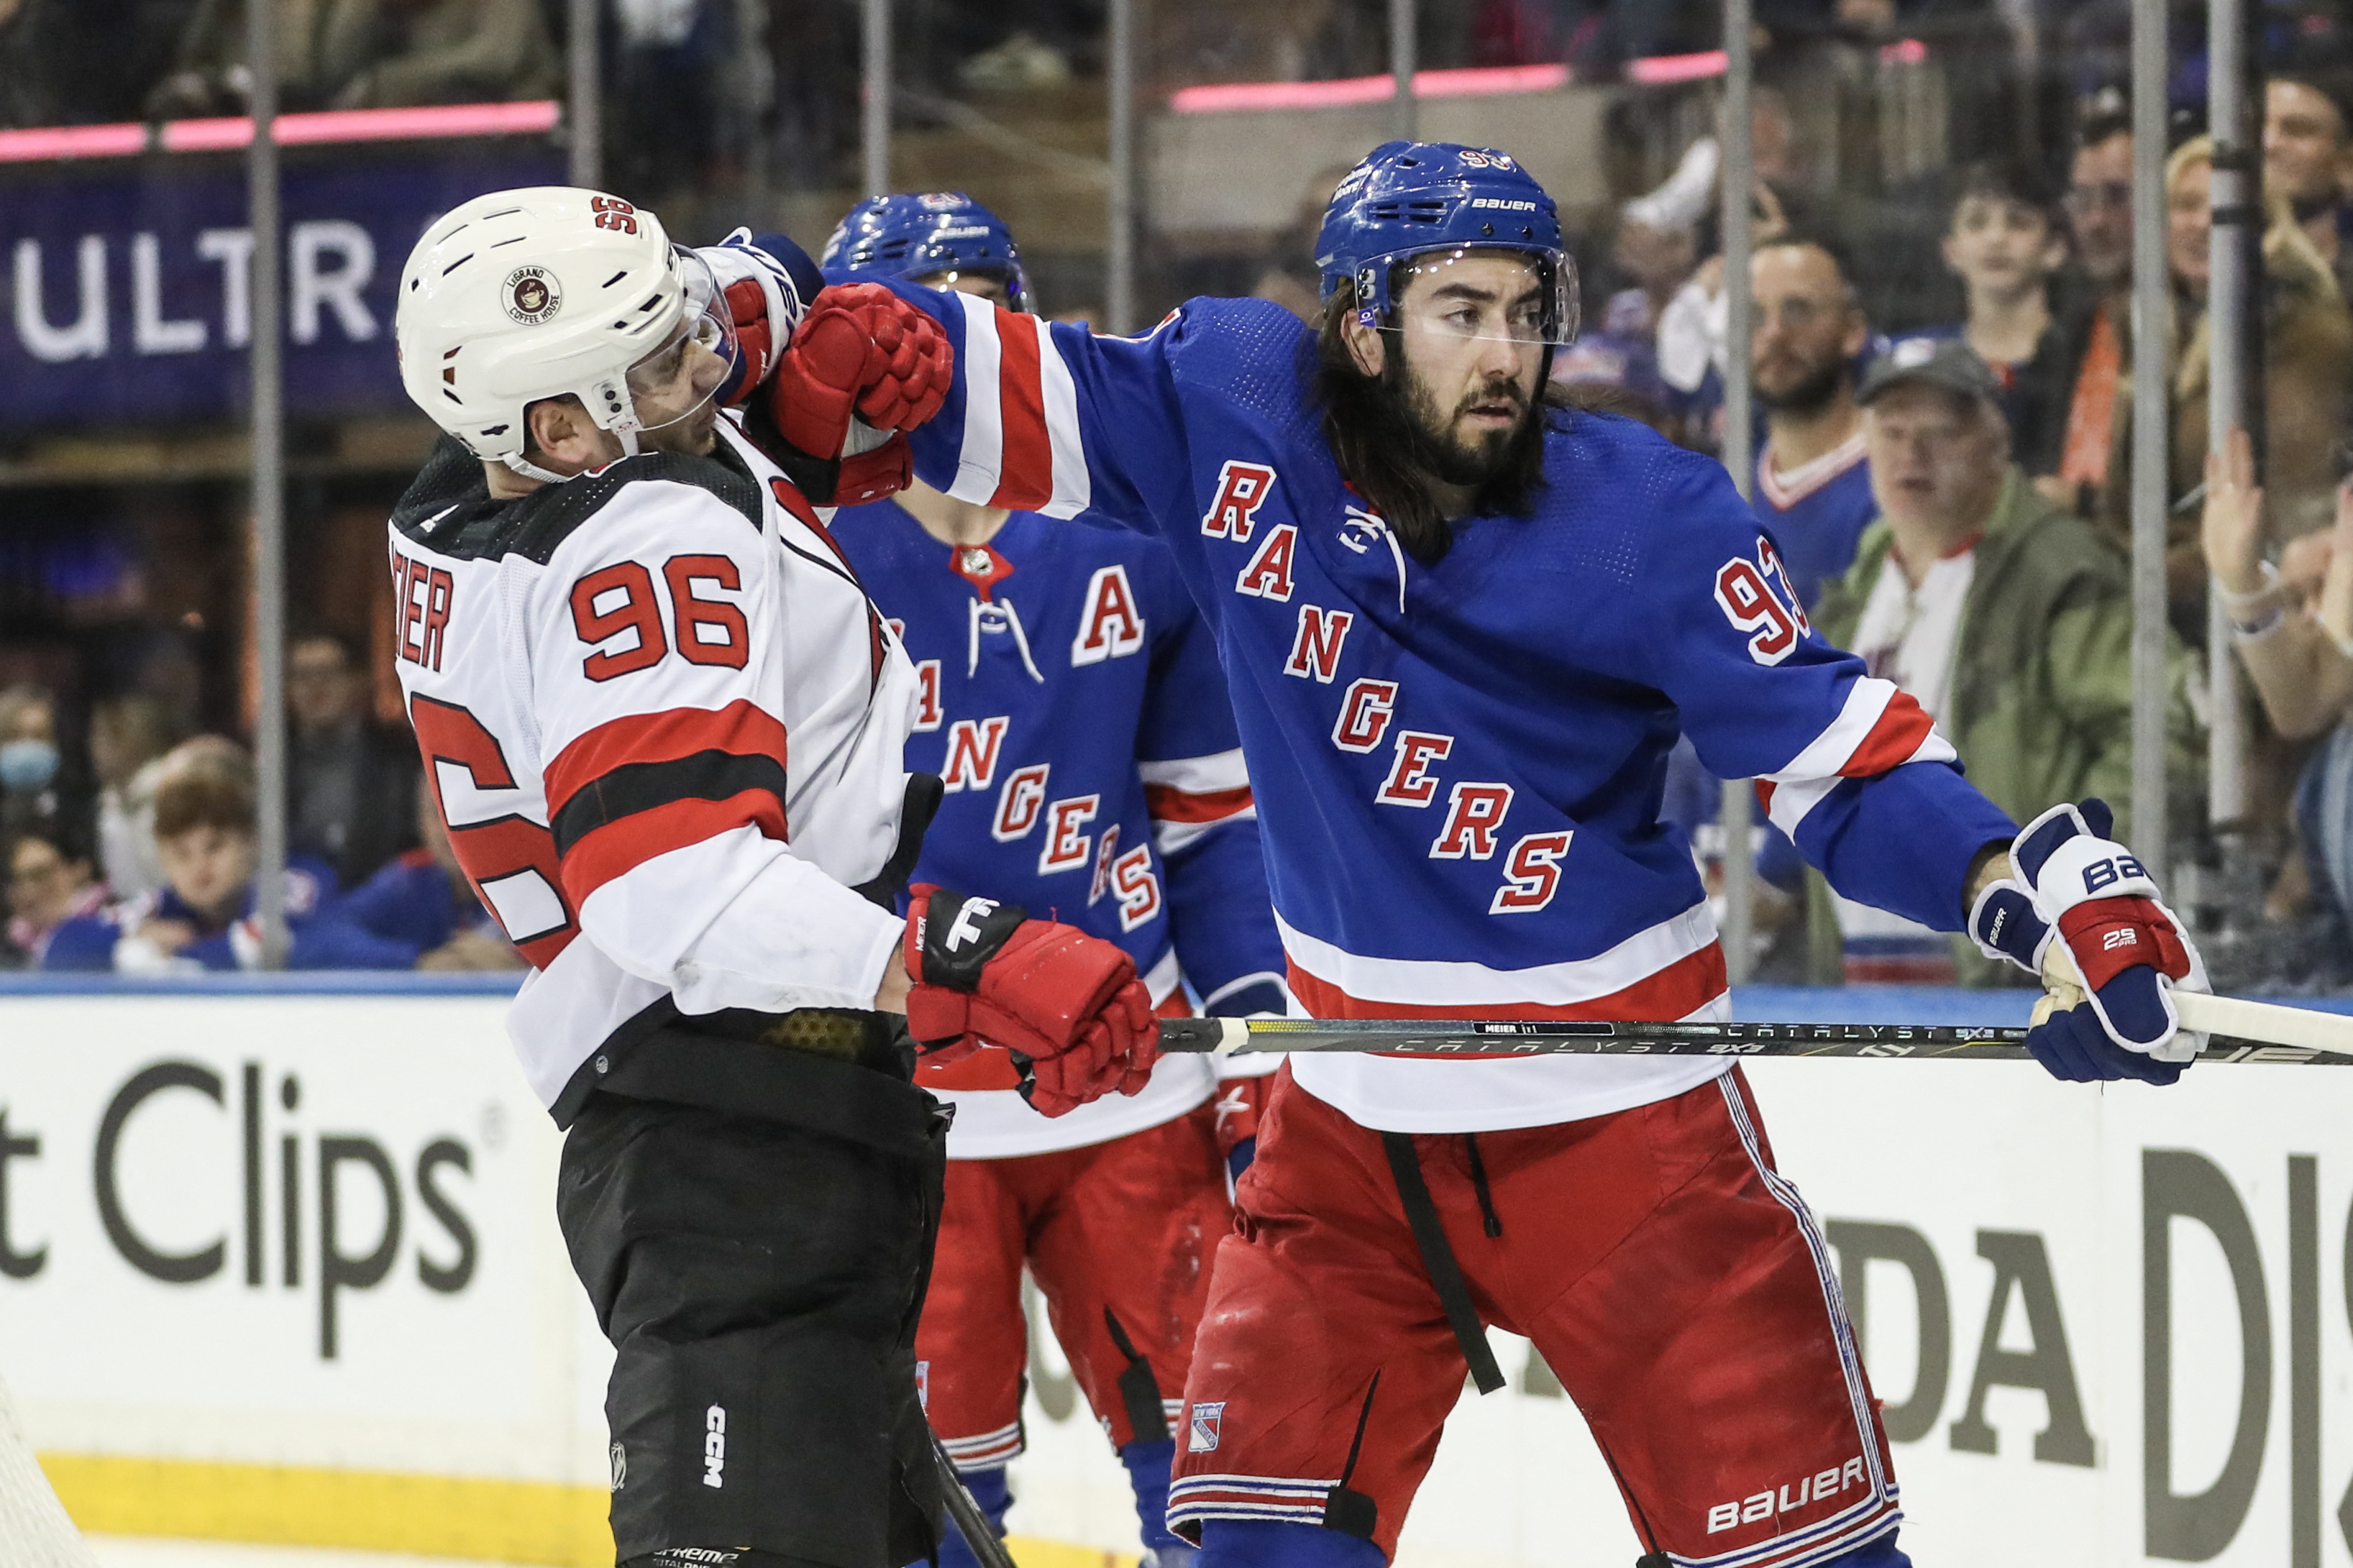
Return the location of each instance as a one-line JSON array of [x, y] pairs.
[[759, 1269]]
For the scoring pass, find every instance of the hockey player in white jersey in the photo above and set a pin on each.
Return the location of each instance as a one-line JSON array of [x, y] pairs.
[[664, 725]]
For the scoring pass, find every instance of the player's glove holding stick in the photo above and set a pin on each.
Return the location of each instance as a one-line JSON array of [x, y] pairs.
[[2083, 915], [862, 367], [1067, 1006]]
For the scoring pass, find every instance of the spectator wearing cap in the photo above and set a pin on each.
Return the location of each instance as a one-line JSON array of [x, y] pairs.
[[1813, 479], [350, 784], [2004, 243], [2010, 621], [2308, 159]]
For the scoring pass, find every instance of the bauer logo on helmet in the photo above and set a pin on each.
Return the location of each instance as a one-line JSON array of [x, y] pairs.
[[532, 295]]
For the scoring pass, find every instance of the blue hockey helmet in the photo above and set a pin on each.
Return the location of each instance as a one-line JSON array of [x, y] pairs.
[[1410, 199], [924, 236]]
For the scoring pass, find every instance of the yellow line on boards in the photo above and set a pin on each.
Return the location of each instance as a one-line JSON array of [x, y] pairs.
[[432, 1516]]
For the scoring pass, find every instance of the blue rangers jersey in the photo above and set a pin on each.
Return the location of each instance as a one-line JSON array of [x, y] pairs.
[[1458, 767], [1817, 513], [1070, 698]]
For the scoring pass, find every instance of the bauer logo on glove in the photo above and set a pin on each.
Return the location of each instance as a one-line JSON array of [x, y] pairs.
[[2083, 915]]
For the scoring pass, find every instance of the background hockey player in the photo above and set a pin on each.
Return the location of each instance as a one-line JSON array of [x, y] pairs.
[[1460, 632], [665, 727], [1069, 696]]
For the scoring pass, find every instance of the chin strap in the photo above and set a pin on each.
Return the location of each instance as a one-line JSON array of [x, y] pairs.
[[530, 470], [627, 434]]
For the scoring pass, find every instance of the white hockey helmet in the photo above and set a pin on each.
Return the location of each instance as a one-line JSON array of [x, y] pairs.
[[529, 294]]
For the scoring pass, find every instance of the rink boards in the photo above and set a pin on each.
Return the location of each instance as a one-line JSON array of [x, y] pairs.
[[284, 1266]]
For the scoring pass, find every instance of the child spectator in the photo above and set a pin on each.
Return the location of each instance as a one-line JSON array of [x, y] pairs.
[[202, 918], [423, 902], [48, 885], [2004, 244]]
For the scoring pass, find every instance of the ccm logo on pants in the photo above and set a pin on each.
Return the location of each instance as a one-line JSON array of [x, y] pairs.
[[714, 1445], [1747, 1510]]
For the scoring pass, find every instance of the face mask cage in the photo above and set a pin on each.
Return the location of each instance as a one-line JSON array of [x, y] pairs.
[[1546, 319]]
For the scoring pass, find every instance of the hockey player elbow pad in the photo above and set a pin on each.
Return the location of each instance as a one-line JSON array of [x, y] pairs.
[[1067, 1006]]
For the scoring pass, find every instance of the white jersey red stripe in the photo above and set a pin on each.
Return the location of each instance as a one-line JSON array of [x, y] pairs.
[[622, 662]]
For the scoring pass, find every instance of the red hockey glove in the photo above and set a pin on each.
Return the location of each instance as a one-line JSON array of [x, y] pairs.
[[1066, 1004], [861, 350]]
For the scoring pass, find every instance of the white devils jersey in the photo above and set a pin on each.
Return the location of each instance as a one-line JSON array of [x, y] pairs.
[[665, 726]]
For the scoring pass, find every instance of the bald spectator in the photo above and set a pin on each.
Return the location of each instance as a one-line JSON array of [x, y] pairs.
[[1813, 483], [2307, 158]]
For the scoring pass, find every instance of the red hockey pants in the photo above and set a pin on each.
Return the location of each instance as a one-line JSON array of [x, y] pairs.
[[1670, 1277], [1119, 1235]]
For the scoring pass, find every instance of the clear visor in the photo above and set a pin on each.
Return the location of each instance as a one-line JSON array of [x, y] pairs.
[[664, 382], [988, 280], [1486, 295]]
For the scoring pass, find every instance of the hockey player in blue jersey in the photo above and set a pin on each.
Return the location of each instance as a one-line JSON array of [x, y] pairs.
[[1461, 630], [1070, 701]]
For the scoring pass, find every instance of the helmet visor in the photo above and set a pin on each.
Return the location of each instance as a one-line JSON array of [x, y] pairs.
[[673, 384], [1463, 293]]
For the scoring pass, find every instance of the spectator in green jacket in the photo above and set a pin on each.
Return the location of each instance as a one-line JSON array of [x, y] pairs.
[[2010, 621]]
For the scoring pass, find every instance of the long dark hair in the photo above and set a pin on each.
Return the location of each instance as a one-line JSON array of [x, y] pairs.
[[1393, 463]]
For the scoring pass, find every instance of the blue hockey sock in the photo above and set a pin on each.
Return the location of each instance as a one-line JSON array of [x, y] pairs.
[[1148, 1464], [988, 1488], [1262, 1543]]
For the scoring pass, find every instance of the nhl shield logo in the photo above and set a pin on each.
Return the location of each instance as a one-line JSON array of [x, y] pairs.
[[532, 295], [620, 1459], [1208, 1420]]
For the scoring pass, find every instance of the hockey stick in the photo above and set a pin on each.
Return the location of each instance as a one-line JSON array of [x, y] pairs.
[[2242, 1032], [965, 1509]]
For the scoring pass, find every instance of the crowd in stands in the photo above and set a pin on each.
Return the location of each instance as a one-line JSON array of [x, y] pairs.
[[1942, 442], [145, 862], [1951, 495]]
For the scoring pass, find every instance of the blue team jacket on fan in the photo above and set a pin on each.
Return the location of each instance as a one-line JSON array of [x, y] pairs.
[[318, 937], [1070, 702], [1458, 767]]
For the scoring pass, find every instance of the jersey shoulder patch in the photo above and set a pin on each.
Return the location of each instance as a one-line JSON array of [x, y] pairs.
[[448, 507]]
